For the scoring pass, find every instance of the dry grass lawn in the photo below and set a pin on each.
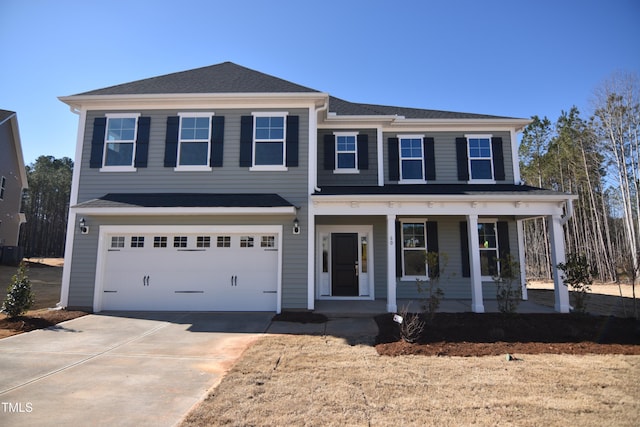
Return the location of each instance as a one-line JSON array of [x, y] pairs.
[[320, 380]]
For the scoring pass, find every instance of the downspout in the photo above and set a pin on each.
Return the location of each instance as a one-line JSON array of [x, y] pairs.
[[569, 213], [324, 107]]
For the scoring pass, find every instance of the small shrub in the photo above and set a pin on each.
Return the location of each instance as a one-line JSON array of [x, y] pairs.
[[19, 295], [578, 276], [436, 264], [412, 326], [508, 290]]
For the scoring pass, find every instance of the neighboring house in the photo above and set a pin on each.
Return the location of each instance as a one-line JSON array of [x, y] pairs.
[[13, 182], [226, 189]]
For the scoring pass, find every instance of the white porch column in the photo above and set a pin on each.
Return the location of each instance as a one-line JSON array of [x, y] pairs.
[[311, 251], [556, 236], [477, 303], [392, 305], [521, 260]]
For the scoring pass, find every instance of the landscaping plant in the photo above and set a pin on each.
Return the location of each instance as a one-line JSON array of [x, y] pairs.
[[508, 289], [19, 295], [578, 276], [436, 264], [411, 325]]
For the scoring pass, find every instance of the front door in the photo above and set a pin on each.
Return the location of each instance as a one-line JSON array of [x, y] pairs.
[[344, 264]]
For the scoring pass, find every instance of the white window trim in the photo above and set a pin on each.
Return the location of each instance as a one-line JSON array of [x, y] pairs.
[[269, 168], [400, 158], [490, 158], [120, 168], [426, 248], [497, 248], [194, 168], [338, 170]]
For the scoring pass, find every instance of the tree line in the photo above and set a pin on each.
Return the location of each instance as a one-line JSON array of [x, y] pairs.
[[46, 206], [595, 158]]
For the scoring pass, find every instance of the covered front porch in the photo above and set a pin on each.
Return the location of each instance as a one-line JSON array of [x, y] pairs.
[[456, 220]]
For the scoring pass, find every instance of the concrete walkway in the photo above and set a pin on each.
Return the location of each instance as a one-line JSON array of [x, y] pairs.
[[135, 369]]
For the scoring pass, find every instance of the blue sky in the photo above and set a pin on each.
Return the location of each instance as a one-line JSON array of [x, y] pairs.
[[513, 58]]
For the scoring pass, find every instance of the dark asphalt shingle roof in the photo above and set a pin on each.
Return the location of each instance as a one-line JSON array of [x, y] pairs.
[[226, 77], [437, 190], [346, 108], [185, 200]]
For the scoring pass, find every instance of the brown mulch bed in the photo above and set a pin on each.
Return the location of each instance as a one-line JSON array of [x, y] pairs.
[[39, 319], [486, 334], [300, 317]]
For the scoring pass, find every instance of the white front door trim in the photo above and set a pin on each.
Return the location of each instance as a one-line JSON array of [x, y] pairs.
[[366, 280]]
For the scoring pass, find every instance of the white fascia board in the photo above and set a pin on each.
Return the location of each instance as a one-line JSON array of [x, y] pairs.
[[554, 198], [196, 100], [180, 211]]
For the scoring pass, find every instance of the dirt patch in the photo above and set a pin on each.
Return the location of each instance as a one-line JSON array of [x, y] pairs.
[[36, 319], [474, 334]]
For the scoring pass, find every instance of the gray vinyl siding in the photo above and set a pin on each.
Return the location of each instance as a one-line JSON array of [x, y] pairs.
[[85, 253], [10, 204], [364, 177], [230, 178], [445, 154]]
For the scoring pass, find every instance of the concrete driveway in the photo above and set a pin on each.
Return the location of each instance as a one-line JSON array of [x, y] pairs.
[[138, 369]]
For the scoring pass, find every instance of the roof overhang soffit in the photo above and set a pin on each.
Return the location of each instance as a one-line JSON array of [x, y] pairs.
[[402, 124], [204, 100]]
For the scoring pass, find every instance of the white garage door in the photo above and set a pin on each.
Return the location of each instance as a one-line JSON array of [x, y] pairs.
[[199, 271]]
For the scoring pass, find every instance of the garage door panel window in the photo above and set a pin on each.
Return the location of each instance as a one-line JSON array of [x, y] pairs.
[[160, 242], [180, 241], [117, 242], [268, 242], [223, 242], [246, 241], [137, 241], [203, 242]]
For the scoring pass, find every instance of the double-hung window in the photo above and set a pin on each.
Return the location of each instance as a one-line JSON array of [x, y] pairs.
[[488, 242], [411, 158], [346, 160], [120, 141], [414, 250], [480, 158], [194, 141], [269, 131]]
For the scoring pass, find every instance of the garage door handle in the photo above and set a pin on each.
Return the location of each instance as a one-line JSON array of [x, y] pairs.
[[145, 280], [234, 280]]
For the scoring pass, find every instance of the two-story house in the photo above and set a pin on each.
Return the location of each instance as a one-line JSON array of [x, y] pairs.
[[226, 189], [13, 183]]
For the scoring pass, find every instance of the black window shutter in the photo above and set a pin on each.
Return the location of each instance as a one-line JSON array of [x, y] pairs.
[[292, 141], [462, 159], [464, 249], [329, 152], [363, 151], [171, 142], [217, 141], [429, 158], [246, 141], [394, 160], [97, 142], [398, 249], [142, 144], [498, 159], [432, 246]]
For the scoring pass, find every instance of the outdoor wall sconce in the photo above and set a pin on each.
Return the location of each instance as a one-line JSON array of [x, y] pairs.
[[296, 226], [83, 226]]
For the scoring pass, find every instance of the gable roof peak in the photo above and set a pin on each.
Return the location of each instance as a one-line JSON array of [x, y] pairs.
[[226, 77]]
